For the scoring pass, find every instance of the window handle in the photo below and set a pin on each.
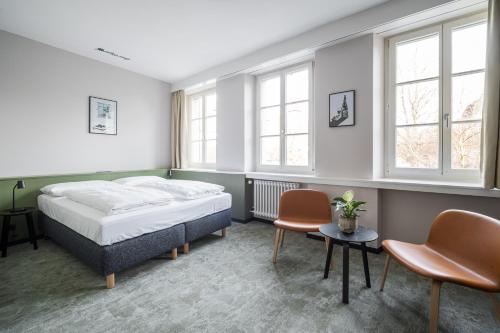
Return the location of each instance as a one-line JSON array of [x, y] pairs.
[[447, 120]]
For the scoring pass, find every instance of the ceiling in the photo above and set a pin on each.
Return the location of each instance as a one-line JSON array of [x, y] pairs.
[[166, 39]]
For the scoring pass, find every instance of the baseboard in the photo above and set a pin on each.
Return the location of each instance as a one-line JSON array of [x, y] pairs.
[[318, 236], [258, 219], [243, 221]]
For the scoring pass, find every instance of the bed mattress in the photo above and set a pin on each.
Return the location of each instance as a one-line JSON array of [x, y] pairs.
[[109, 229]]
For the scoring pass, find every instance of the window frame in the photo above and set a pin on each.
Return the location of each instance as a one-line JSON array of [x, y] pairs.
[[282, 167], [444, 170], [203, 95]]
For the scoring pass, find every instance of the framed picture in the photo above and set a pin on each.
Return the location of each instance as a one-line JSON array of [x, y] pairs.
[[341, 109], [103, 115]]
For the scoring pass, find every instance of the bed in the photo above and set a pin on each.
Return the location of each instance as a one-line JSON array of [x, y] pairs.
[[112, 243]]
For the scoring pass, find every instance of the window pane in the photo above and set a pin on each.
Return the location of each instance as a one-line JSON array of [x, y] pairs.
[[210, 128], [467, 96], [417, 147], [297, 150], [196, 129], [270, 121], [417, 59], [196, 105], [270, 91], [468, 48], [196, 152], [270, 150], [466, 145], [211, 105], [297, 86], [210, 151], [417, 103], [297, 118]]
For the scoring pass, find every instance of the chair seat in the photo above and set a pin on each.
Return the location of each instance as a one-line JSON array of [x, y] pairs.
[[425, 261], [301, 226]]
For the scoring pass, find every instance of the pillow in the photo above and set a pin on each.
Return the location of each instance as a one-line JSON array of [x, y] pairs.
[[139, 180], [187, 189], [180, 189], [60, 188]]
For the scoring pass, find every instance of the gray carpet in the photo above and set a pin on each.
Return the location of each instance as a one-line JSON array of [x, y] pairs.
[[226, 285]]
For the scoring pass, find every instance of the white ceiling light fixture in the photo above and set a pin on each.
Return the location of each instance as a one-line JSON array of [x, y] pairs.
[[100, 49]]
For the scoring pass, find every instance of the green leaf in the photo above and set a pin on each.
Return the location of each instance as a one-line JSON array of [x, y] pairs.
[[356, 204]]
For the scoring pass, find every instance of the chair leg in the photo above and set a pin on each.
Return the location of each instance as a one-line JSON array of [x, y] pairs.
[[496, 306], [224, 232], [386, 269], [185, 248], [277, 238], [110, 281], [282, 238], [434, 310]]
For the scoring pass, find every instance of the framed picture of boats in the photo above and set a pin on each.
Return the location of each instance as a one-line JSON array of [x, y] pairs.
[[341, 106], [103, 115]]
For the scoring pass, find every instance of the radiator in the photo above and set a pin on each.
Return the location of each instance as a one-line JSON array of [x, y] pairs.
[[266, 197]]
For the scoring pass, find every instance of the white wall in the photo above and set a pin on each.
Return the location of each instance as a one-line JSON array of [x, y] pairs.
[[235, 114], [44, 95], [344, 152]]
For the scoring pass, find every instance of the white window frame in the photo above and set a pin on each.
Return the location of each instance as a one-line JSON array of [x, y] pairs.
[[444, 170], [282, 167], [202, 94]]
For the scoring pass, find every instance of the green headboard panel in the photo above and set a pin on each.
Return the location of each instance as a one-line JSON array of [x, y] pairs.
[[28, 195], [235, 183]]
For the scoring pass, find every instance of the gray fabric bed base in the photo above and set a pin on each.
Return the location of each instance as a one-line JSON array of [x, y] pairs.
[[206, 225], [119, 256]]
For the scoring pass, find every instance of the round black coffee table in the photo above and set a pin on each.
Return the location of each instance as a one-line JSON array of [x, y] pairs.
[[361, 236]]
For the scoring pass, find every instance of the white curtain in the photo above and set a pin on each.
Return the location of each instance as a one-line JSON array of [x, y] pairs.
[[177, 128], [491, 117]]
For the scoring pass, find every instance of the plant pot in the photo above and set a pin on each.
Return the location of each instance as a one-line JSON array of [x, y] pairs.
[[348, 225]]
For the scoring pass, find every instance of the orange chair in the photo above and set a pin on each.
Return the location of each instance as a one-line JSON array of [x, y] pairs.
[[462, 248], [302, 211]]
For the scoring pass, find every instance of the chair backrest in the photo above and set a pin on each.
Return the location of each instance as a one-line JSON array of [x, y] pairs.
[[305, 206], [470, 239]]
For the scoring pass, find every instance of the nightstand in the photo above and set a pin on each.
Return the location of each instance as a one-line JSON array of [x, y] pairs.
[[7, 214]]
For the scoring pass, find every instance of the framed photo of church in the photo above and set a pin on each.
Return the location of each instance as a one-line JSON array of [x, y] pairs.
[[102, 116], [341, 111]]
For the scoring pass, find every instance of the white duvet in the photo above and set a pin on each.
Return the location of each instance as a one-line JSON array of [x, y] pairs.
[[120, 199]]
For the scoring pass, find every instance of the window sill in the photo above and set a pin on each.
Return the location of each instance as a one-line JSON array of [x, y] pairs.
[[384, 183], [209, 171]]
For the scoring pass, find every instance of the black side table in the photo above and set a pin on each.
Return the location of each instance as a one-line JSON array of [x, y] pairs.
[[361, 235], [7, 214]]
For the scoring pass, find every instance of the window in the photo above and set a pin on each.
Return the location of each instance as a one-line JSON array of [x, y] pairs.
[[435, 91], [202, 129], [284, 130]]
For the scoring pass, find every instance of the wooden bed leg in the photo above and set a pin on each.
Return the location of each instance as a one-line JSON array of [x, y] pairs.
[[224, 232], [173, 253], [185, 248], [110, 281]]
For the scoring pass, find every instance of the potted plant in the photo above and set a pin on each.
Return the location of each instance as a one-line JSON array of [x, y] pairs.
[[350, 208]]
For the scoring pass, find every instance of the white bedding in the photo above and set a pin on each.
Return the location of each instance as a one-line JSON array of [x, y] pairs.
[[120, 199], [179, 188], [109, 229]]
